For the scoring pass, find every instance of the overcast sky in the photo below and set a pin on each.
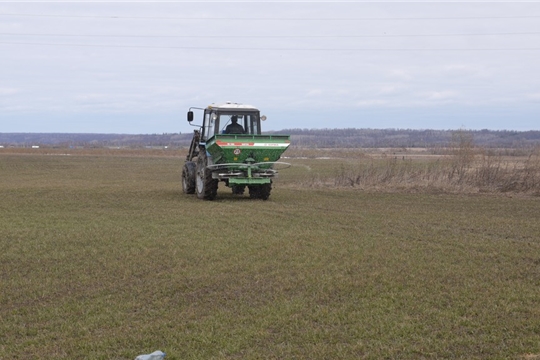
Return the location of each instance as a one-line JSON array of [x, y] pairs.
[[138, 67]]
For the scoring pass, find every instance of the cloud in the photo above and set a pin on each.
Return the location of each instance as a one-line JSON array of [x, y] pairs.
[[400, 74], [9, 91], [391, 90], [314, 93], [371, 103], [466, 70], [441, 95]]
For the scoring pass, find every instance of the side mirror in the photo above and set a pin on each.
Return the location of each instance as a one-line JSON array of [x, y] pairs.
[[190, 116]]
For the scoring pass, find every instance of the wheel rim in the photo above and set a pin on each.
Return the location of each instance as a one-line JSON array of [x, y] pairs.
[[184, 181], [200, 181]]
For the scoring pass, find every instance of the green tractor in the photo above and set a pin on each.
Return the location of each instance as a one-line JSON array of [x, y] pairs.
[[230, 148]]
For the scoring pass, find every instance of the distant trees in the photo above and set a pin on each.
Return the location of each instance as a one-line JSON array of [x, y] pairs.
[[309, 138], [94, 140], [396, 138]]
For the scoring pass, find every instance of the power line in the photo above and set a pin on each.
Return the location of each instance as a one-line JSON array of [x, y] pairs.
[[269, 49], [274, 19], [271, 36]]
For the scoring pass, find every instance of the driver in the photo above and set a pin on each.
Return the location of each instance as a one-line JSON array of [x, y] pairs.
[[234, 127]]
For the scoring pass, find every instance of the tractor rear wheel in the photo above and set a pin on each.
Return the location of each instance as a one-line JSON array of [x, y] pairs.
[[206, 187], [260, 191], [188, 177]]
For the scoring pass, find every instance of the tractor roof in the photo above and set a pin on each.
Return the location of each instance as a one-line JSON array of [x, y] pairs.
[[231, 106]]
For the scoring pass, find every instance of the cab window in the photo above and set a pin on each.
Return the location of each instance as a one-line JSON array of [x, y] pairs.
[[210, 124]]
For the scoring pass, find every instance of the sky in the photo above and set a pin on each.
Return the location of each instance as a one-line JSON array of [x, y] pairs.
[[137, 67]]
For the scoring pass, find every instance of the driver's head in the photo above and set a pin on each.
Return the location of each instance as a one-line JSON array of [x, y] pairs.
[[234, 119]]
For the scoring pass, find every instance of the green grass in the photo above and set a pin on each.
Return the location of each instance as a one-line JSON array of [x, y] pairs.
[[103, 257]]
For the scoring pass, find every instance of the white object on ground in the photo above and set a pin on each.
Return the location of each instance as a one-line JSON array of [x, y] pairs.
[[156, 355]]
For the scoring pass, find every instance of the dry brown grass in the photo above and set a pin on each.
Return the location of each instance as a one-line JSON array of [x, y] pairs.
[[531, 356], [461, 170]]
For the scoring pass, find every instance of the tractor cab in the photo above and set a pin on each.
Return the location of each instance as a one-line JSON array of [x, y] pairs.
[[217, 119]]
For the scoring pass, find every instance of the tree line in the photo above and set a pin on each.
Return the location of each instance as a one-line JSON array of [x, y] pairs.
[[410, 138], [311, 138]]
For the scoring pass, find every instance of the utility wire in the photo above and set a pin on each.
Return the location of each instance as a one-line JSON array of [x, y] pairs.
[[271, 36], [275, 19], [271, 49]]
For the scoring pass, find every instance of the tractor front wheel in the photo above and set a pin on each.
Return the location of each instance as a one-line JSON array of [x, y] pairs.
[[206, 187], [188, 177]]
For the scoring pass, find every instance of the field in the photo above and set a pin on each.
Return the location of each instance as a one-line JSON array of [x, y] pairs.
[[103, 257]]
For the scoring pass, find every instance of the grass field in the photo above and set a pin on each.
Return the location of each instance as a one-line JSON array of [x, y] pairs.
[[103, 257]]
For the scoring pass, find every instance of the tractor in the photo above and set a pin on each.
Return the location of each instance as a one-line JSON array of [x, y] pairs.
[[229, 147]]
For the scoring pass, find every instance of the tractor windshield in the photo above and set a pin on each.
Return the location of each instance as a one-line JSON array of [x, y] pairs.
[[236, 123]]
